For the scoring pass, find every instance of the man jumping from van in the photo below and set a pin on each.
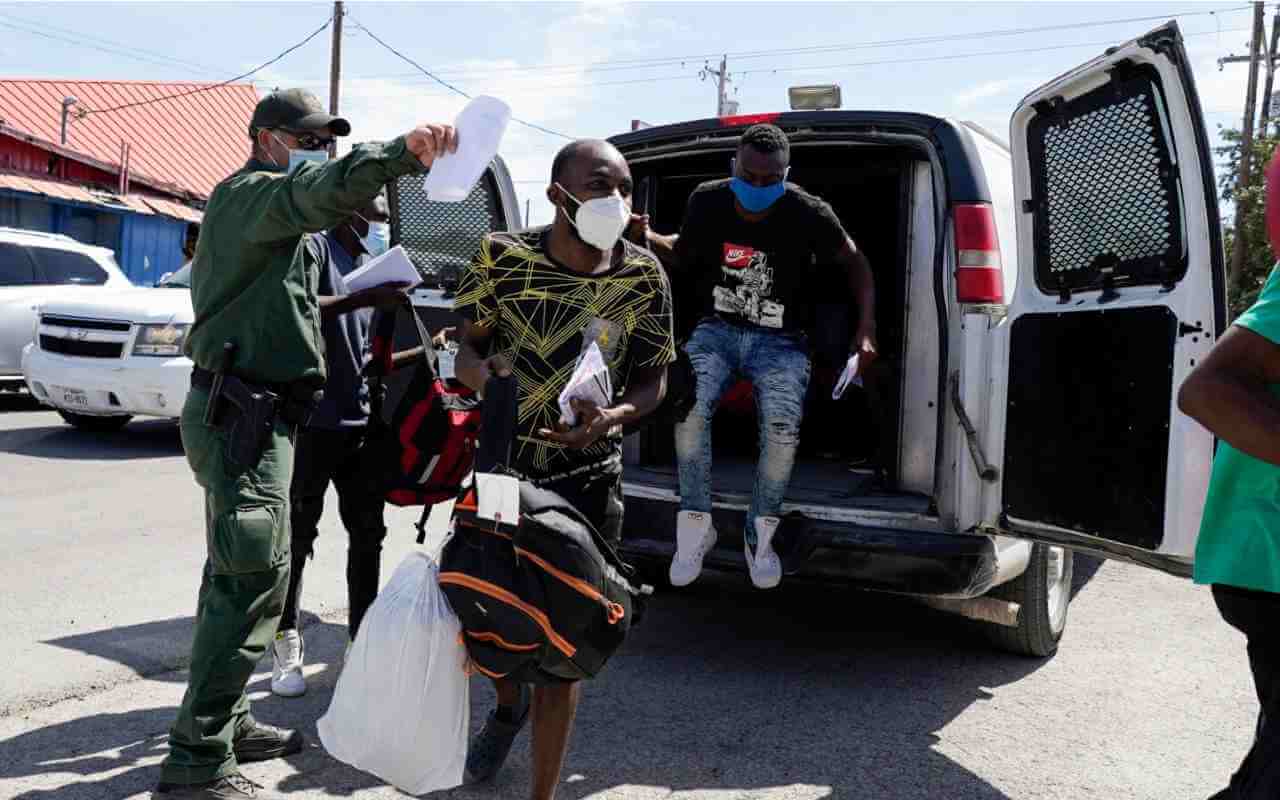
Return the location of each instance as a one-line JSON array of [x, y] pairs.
[[533, 303], [748, 246]]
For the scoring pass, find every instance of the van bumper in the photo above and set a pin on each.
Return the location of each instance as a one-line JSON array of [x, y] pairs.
[[913, 562]]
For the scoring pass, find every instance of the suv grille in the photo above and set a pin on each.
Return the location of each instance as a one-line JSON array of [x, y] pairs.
[[88, 324], [72, 347]]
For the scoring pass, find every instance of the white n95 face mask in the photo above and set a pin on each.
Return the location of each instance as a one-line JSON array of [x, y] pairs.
[[601, 220]]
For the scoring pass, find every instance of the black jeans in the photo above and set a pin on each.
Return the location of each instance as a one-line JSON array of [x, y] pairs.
[[1255, 614], [597, 496], [324, 457]]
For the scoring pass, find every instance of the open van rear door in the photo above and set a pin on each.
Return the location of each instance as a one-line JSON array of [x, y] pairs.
[[1120, 292]]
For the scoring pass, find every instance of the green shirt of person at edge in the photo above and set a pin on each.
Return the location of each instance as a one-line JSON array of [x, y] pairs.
[[253, 286]]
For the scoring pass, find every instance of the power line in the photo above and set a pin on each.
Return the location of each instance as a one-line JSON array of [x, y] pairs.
[[953, 56], [446, 84], [116, 48], [641, 63], [771, 70], [211, 87]]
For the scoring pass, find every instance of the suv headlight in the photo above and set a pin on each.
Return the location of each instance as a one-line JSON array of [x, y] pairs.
[[160, 340]]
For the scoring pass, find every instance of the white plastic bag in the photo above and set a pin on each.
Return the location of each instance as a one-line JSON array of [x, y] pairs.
[[590, 381], [401, 710]]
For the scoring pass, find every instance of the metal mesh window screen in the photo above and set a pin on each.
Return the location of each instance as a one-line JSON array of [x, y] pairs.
[[1107, 207], [442, 235]]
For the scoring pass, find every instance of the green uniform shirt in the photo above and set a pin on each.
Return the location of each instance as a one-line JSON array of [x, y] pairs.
[[1239, 541], [250, 283]]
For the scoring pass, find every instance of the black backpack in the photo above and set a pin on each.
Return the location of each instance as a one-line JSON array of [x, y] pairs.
[[547, 598]]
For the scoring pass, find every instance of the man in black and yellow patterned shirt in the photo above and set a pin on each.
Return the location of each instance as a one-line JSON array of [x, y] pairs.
[[533, 302]]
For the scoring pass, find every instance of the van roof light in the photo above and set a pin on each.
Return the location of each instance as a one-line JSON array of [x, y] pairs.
[[815, 98]]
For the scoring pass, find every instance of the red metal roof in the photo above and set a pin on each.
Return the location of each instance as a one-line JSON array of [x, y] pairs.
[[191, 142]]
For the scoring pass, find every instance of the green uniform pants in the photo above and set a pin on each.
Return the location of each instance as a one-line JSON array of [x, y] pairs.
[[242, 592]]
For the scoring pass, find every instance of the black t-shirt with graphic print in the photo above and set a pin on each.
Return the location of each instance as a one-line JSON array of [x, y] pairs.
[[756, 273], [545, 315]]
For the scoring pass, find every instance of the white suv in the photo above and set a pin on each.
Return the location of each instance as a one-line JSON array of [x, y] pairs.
[[102, 360], [38, 267]]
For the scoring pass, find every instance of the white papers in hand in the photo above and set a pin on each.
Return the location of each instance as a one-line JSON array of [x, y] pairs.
[[590, 381], [392, 266], [849, 377], [480, 126]]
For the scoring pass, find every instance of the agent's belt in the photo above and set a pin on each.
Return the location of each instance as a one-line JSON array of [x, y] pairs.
[[295, 402]]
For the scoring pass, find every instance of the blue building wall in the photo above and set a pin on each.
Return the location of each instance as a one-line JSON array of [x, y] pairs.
[[146, 246], [150, 247]]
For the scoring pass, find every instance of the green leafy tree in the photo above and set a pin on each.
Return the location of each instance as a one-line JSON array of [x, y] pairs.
[[1259, 257]]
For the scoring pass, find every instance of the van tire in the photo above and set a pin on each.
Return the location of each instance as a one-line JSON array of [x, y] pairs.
[[1039, 627], [84, 422]]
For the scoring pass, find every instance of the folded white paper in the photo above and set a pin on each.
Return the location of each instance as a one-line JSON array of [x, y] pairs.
[[498, 498], [392, 266], [480, 126], [849, 377], [590, 381]]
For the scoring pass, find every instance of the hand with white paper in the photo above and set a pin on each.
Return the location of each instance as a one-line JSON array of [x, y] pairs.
[[479, 130], [593, 422], [431, 140]]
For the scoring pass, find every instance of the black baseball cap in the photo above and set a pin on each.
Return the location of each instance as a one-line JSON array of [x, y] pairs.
[[296, 110]]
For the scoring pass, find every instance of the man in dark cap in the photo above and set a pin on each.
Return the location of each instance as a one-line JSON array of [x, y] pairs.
[[259, 366]]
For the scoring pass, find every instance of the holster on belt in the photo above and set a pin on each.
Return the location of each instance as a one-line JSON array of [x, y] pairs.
[[248, 411]]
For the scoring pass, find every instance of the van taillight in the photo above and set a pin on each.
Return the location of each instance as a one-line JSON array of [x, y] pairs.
[[979, 277]]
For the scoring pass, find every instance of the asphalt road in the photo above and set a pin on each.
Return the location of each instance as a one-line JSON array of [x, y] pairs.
[[725, 692]]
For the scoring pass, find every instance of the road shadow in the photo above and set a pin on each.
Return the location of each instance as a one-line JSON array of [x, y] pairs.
[[811, 691], [108, 756], [138, 440], [830, 694], [151, 649]]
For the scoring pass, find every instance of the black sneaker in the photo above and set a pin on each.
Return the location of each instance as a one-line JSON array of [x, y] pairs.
[[492, 744], [265, 742], [232, 787]]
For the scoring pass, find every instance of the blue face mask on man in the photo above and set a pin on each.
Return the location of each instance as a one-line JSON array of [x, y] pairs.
[[299, 157], [756, 199]]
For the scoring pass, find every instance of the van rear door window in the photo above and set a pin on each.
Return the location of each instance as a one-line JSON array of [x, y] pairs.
[[1104, 187]]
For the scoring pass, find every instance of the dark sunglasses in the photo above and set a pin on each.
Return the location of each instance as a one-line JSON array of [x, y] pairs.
[[309, 141]]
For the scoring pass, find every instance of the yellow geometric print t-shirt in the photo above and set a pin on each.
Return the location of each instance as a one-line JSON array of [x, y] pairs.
[[544, 315]]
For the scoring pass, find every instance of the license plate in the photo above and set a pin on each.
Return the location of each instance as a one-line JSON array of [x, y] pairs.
[[72, 397]]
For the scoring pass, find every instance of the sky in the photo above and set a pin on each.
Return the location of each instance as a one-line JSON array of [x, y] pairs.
[[589, 69]]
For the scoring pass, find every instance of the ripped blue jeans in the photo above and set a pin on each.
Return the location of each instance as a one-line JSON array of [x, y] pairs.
[[777, 364]]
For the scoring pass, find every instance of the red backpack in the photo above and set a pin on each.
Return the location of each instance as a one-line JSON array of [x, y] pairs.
[[419, 452]]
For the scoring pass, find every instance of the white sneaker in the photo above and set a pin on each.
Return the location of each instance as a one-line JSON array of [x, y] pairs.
[[287, 679], [764, 565], [695, 536]]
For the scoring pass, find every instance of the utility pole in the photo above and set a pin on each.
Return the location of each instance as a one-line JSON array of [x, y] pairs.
[[1265, 124], [722, 84], [335, 67], [1239, 245]]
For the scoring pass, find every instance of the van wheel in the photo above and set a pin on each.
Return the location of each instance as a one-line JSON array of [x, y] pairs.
[[1044, 594], [85, 422]]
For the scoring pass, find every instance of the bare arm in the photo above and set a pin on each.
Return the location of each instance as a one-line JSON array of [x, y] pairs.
[[862, 289], [1228, 393], [386, 296], [472, 367]]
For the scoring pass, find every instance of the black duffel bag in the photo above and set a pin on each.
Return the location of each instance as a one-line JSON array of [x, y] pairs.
[[546, 599]]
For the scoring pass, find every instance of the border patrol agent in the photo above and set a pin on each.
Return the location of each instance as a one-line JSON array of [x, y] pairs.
[[259, 357]]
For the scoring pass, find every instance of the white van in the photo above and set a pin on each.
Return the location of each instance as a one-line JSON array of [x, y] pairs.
[[1037, 306]]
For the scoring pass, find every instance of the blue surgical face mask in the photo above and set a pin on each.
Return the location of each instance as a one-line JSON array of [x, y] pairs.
[[378, 240], [757, 198], [297, 157]]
